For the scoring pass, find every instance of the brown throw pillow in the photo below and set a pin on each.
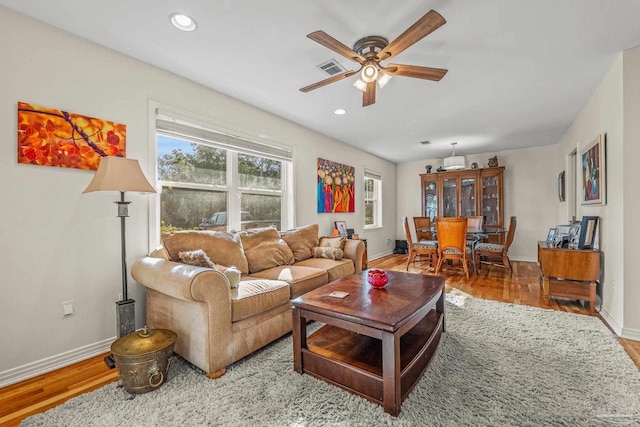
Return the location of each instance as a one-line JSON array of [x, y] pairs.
[[221, 247], [264, 249], [301, 240], [327, 252], [332, 242]]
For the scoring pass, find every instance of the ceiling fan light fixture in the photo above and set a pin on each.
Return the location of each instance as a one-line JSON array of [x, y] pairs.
[[182, 22], [361, 84], [454, 162], [383, 78], [369, 72]]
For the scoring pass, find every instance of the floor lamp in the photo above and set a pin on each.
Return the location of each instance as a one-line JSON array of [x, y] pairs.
[[120, 174]]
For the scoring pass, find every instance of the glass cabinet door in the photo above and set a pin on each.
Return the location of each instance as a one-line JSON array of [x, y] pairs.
[[490, 200], [450, 197], [430, 208], [468, 197]]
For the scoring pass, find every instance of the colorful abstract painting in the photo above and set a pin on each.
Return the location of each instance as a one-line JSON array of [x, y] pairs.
[[336, 187], [51, 137], [593, 172]]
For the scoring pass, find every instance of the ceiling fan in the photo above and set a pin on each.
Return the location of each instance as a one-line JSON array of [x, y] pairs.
[[371, 50]]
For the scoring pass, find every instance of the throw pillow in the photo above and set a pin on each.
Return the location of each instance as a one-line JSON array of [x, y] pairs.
[[221, 247], [199, 258], [332, 242], [301, 240], [327, 252], [264, 249], [232, 274]]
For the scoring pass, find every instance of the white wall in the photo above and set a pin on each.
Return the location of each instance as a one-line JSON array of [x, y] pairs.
[[631, 201], [603, 114], [530, 193], [60, 245]]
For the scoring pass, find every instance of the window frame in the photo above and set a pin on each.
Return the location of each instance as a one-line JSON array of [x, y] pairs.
[[376, 199], [232, 188]]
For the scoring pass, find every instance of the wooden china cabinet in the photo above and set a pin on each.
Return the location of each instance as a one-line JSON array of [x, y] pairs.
[[467, 192]]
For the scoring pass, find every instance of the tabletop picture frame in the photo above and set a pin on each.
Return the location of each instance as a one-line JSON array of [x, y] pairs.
[[588, 228], [551, 235], [341, 226]]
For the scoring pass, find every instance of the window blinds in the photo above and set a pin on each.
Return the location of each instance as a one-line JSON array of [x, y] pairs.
[[372, 175], [180, 129]]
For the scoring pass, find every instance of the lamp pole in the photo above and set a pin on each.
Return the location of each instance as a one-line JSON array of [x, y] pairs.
[[125, 308]]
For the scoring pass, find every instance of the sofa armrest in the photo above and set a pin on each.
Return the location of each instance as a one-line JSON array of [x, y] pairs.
[[182, 281], [354, 249]]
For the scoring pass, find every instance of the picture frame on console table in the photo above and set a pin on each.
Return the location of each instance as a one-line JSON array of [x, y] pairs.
[[588, 228], [592, 162]]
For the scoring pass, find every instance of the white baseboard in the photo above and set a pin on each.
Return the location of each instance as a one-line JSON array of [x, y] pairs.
[[523, 258], [611, 322], [52, 363], [371, 257], [630, 334]]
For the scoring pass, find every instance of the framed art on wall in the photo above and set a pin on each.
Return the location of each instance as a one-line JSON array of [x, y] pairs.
[[561, 186], [593, 161], [53, 137], [336, 187]]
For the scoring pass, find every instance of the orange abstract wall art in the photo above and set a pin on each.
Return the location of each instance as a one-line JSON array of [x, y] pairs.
[[51, 137]]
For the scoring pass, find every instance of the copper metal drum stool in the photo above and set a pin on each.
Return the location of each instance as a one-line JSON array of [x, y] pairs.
[[142, 358]]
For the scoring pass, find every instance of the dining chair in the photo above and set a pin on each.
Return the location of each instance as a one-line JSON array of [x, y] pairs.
[[492, 251], [452, 241], [475, 222], [422, 225], [428, 248]]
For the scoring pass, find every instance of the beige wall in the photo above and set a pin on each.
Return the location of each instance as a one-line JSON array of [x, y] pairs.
[[603, 114], [631, 201], [60, 245], [530, 193]]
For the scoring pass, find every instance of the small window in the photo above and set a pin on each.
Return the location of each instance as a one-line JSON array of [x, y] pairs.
[[372, 199]]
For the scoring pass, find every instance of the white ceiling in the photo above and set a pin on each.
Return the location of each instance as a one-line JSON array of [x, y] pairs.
[[519, 70]]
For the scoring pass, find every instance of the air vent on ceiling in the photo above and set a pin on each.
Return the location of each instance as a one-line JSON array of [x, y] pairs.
[[425, 142], [332, 67]]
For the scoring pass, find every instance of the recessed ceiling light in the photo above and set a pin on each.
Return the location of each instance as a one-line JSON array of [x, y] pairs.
[[340, 111], [182, 22]]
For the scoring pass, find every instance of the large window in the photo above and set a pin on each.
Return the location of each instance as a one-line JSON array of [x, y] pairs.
[[214, 181], [372, 199]]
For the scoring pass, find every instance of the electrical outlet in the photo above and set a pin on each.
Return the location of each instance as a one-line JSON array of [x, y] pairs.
[[120, 296], [67, 308], [389, 242]]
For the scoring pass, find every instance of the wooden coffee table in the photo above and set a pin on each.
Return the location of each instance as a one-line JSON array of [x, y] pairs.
[[376, 342]]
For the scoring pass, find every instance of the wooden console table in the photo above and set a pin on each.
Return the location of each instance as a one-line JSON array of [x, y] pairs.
[[569, 273]]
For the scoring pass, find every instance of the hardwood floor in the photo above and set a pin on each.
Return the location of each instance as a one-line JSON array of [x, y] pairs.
[[46, 391]]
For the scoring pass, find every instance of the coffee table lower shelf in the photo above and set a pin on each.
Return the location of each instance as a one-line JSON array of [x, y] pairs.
[[353, 361]]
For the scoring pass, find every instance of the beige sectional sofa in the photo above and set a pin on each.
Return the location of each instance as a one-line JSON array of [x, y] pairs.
[[219, 318]]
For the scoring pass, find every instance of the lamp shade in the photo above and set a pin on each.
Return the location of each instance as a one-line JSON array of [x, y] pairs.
[[119, 174], [454, 162]]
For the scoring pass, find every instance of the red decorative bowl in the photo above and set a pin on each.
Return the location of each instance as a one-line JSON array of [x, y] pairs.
[[377, 278]]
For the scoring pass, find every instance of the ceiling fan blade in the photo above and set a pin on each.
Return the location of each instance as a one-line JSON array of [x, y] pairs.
[[416, 71], [329, 42], [369, 95], [423, 26], [325, 82]]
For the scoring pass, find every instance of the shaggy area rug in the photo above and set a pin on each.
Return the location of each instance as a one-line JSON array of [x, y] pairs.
[[497, 365]]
